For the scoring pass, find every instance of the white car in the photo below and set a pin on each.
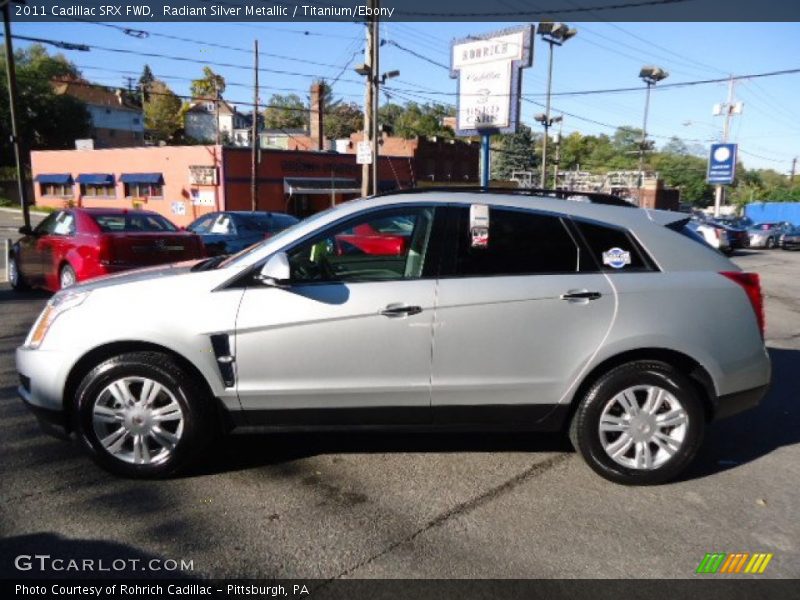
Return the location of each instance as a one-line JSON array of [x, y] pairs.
[[714, 236], [430, 310]]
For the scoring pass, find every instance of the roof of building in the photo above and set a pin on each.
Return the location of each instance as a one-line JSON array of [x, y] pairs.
[[93, 94], [202, 105]]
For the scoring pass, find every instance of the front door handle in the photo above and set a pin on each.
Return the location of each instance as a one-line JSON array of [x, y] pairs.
[[400, 310], [581, 295]]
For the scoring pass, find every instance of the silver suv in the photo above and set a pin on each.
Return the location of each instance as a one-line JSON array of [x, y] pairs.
[[437, 309]]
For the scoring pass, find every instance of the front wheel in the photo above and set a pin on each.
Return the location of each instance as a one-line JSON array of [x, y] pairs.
[[770, 243], [15, 277], [639, 424], [141, 415]]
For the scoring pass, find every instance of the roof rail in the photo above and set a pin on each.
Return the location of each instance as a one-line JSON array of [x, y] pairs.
[[593, 197]]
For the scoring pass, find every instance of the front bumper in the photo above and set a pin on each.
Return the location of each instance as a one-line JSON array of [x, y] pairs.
[[53, 422], [43, 376]]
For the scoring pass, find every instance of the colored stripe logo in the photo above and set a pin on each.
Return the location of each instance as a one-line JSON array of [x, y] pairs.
[[736, 562]]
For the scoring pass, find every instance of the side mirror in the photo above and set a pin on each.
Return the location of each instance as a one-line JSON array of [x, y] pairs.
[[276, 271], [26, 230]]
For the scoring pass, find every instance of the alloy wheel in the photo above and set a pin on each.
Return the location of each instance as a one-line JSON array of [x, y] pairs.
[[643, 426], [67, 278]]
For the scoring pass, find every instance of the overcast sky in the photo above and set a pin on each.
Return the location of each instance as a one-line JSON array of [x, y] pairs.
[[602, 55]]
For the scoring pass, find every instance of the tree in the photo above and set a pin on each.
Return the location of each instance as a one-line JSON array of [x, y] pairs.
[[145, 81], [162, 113], [342, 120], [286, 112], [210, 85], [517, 152], [46, 120]]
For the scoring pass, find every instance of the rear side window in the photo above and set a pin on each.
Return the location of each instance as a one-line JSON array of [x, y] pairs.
[[612, 249], [520, 243]]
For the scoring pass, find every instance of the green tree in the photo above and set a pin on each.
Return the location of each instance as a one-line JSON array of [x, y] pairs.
[[162, 113], [46, 120], [421, 120], [343, 119], [210, 85], [286, 112], [145, 81], [516, 152]]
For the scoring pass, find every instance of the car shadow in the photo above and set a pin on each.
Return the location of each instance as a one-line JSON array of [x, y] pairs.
[[748, 436], [245, 451], [7, 294]]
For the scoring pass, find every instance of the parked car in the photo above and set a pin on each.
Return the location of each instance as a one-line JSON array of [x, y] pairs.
[[504, 311], [767, 235], [790, 240], [76, 244], [714, 235], [231, 231], [738, 237]]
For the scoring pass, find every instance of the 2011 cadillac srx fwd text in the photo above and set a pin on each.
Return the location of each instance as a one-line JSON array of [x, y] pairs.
[[427, 310]]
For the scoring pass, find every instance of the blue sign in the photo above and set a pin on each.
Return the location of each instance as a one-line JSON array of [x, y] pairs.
[[721, 164]]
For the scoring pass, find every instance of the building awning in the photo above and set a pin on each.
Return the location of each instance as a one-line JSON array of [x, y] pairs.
[[96, 178], [152, 178], [320, 185], [57, 178]]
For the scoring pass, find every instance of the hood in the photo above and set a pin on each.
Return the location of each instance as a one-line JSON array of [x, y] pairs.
[[135, 275]]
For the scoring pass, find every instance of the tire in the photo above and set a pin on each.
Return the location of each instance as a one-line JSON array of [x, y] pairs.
[[670, 447], [173, 428], [15, 276], [770, 243], [67, 277]]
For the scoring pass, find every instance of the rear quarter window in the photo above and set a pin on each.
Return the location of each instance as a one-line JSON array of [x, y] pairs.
[[612, 249]]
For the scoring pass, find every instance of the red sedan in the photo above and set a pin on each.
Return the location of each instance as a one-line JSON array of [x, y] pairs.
[[75, 244]]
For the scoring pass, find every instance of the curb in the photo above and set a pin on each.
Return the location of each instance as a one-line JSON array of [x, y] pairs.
[[5, 209]]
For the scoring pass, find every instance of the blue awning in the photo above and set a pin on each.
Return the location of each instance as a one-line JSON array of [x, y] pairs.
[[57, 178], [153, 178], [96, 178]]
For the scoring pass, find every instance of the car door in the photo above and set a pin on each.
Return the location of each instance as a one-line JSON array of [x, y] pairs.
[[54, 247], [348, 339], [516, 319]]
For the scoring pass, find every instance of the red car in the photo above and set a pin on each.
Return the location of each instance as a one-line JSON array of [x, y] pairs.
[[75, 244], [387, 237]]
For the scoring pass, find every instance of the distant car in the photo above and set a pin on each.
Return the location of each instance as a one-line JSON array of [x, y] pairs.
[[76, 244], [386, 237], [229, 232], [790, 240], [714, 235], [737, 236], [767, 235]]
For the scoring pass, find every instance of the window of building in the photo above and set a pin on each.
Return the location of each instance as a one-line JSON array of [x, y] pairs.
[[520, 243], [142, 190], [55, 189], [102, 190]]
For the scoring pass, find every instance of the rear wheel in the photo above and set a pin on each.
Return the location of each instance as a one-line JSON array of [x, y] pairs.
[[141, 415], [15, 276], [770, 243], [67, 277], [639, 424]]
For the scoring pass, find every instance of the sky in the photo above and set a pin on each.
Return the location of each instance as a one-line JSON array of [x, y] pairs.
[[602, 55]]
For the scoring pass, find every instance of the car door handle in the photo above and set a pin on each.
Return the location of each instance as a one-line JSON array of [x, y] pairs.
[[400, 310], [581, 295]]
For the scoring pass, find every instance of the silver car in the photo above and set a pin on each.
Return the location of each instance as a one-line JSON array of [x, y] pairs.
[[434, 310]]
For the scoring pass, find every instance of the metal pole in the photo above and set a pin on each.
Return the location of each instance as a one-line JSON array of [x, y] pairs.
[[11, 74], [485, 139], [375, 96], [643, 143], [719, 191], [558, 153], [794, 168], [366, 169], [254, 141], [216, 109], [547, 115]]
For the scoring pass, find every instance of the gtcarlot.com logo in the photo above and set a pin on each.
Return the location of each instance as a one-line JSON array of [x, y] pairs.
[[736, 562], [46, 562]]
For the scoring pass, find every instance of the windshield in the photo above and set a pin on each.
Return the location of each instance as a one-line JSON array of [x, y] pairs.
[[268, 223], [133, 222]]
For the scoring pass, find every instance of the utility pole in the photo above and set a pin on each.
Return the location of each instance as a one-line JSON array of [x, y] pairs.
[[11, 74], [254, 134], [369, 71], [376, 136], [216, 109], [794, 168], [558, 152], [729, 109]]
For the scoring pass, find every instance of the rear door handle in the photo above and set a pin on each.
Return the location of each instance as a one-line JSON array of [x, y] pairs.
[[400, 310], [581, 295]]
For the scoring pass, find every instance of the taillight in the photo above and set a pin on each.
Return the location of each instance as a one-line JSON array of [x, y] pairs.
[[751, 284], [105, 250]]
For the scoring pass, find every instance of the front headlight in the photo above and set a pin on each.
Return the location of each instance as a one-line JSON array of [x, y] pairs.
[[57, 305]]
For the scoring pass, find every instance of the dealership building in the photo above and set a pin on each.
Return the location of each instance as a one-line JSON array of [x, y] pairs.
[[184, 182]]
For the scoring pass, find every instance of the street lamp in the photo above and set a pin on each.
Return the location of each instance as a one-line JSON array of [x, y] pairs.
[[555, 34], [650, 75]]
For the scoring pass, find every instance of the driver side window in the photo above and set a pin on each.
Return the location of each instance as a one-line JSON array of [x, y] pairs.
[[379, 246]]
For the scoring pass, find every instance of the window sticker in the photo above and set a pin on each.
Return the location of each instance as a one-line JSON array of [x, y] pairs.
[[616, 258], [479, 225]]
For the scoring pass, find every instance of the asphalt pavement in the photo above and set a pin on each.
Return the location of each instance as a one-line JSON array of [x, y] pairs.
[[362, 505]]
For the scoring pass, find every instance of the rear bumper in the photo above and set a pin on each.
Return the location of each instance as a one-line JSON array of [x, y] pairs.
[[732, 404]]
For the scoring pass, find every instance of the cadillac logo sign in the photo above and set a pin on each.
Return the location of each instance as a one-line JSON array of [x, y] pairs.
[[489, 71]]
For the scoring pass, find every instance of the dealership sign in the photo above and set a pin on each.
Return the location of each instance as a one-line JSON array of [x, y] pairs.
[[489, 71], [722, 164]]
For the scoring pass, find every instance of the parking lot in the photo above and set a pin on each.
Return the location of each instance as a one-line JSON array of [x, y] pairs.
[[406, 506]]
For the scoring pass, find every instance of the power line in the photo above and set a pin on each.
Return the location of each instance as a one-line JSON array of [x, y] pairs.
[[416, 54], [529, 13]]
